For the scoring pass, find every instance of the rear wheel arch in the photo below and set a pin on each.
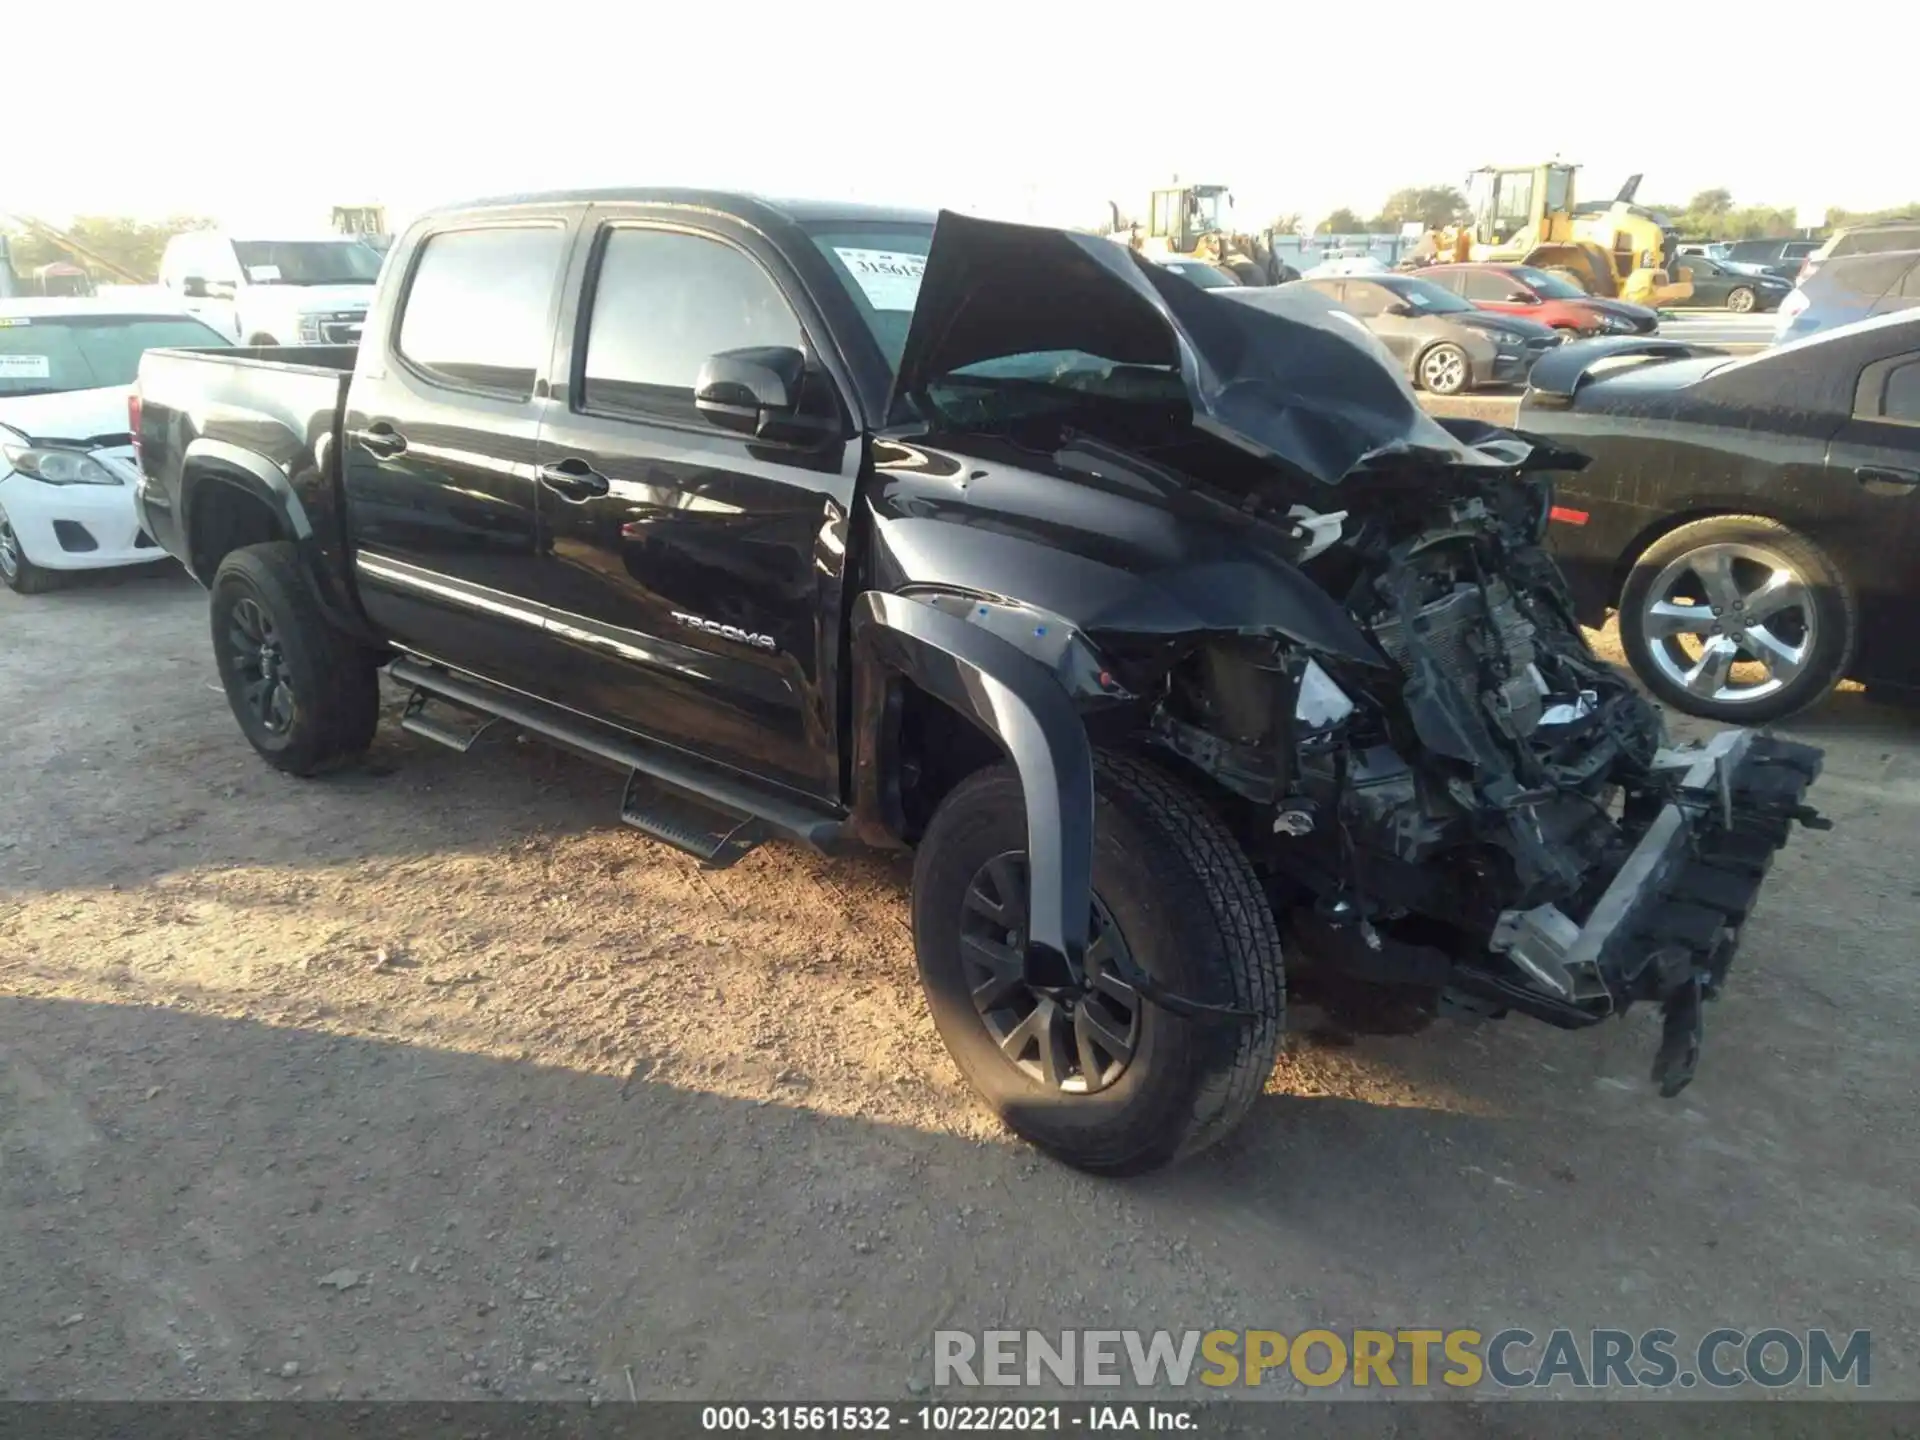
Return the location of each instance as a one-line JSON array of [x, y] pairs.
[[225, 511]]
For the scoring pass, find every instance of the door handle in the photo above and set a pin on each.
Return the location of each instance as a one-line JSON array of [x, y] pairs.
[[572, 479], [380, 440], [1887, 479]]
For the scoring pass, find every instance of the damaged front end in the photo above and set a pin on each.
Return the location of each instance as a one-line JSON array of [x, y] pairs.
[[1346, 632]]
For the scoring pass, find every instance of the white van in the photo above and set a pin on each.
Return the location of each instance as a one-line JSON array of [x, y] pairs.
[[266, 291]]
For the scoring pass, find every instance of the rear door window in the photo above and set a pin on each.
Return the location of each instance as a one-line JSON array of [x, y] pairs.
[[663, 302], [478, 313], [1902, 398]]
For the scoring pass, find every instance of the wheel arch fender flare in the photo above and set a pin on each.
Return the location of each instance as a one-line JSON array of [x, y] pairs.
[[1018, 702], [209, 465], [216, 460]]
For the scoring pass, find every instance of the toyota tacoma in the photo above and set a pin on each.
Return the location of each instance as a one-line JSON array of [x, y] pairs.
[[1171, 635]]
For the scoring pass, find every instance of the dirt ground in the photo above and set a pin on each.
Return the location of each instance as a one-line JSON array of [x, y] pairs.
[[430, 1080]]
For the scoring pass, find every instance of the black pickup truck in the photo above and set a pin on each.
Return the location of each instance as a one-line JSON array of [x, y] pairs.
[[1163, 629]]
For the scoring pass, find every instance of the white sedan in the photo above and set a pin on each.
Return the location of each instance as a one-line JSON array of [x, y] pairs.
[[67, 466]]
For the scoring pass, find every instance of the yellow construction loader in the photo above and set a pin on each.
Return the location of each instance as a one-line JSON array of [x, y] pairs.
[[1195, 222], [1528, 215]]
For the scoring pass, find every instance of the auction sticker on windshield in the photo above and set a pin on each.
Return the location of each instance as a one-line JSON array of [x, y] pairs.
[[8, 322], [890, 279], [263, 274], [25, 367]]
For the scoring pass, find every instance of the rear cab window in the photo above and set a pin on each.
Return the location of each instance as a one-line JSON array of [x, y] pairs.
[[52, 354], [478, 311]]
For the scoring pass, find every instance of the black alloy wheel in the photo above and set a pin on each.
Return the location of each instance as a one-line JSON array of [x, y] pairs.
[[253, 650], [1075, 1044]]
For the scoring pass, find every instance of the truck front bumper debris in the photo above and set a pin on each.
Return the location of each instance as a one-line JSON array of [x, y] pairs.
[[1668, 925]]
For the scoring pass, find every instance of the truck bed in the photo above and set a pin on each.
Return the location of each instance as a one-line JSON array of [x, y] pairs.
[[265, 418]]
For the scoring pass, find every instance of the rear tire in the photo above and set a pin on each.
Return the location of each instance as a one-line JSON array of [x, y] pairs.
[[21, 575], [1171, 885], [305, 693]]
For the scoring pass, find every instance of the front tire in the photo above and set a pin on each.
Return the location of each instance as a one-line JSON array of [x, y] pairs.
[[1737, 618], [1444, 370], [305, 693], [20, 574], [1114, 1084], [1740, 300]]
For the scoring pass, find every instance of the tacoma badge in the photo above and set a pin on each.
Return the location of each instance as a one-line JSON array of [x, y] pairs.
[[727, 632]]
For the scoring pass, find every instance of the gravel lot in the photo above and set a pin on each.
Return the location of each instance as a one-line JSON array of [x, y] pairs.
[[430, 1080]]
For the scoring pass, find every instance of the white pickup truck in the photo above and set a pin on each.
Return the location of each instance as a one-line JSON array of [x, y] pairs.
[[261, 291]]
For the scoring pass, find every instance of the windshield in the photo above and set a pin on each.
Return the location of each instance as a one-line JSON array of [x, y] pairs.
[[45, 355], [997, 392], [1546, 284], [880, 267], [1425, 296], [308, 262]]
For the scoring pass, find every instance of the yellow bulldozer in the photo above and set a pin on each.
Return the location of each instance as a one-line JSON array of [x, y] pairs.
[[1529, 215], [1195, 222]]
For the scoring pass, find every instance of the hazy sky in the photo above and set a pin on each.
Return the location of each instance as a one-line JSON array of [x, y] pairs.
[[269, 114]]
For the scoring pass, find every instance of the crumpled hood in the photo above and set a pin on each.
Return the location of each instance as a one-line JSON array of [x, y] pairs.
[[1295, 380], [68, 415]]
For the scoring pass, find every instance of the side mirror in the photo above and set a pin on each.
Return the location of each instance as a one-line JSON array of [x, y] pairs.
[[1400, 310], [1522, 297], [194, 288], [757, 391]]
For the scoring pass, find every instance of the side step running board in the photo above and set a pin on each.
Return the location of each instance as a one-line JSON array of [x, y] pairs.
[[713, 814], [416, 721], [676, 817]]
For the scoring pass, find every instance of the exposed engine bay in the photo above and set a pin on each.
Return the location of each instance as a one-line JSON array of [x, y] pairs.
[[1350, 637], [1492, 821]]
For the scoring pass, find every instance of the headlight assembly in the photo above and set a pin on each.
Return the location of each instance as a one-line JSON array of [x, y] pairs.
[[56, 465]]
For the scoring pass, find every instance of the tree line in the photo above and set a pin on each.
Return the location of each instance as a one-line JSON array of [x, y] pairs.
[[133, 245]]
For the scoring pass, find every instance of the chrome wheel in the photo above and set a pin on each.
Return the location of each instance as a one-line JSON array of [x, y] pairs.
[[1443, 370], [1730, 622], [1076, 1044], [1740, 301], [10, 553]]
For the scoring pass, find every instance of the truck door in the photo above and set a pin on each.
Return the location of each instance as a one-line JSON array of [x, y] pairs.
[[692, 574], [442, 422]]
